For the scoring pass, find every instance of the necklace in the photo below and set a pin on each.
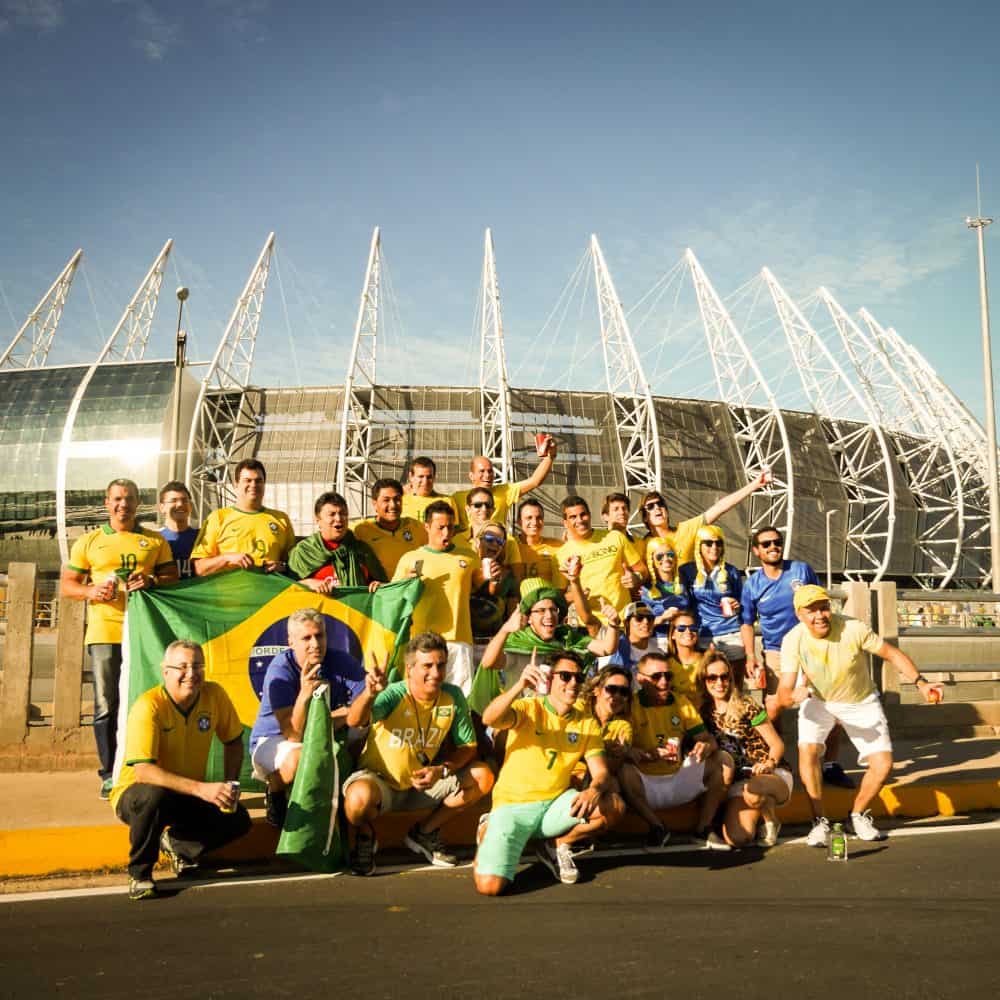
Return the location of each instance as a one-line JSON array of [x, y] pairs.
[[422, 751]]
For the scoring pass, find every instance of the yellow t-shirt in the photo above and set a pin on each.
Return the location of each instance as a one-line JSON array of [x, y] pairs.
[[414, 506], [387, 545], [542, 750], [505, 496], [159, 732], [511, 552], [653, 725], [681, 539], [617, 732], [542, 561], [683, 682], [403, 727], [444, 604], [604, 558], [265, 534], [104, 552], [835, 666]]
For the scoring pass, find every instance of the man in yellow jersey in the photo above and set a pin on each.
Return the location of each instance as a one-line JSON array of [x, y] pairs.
[[420, 488], [449, 574], [480, 511], [505, 495], [162, 781], [656, 518], [660, 775], [388, 533], [828, 652], [538, 552], [105, 566], [420, 754], [246, 535], [615, 511], [612, 566], [547, 737]]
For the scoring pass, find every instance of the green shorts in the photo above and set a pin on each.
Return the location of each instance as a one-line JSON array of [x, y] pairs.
[[510, 827]]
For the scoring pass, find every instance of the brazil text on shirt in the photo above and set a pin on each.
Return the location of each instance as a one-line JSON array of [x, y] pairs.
[[771, 600]]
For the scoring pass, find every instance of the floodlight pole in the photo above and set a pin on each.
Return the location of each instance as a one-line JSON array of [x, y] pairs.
[[175, 423], [829, 550], [979, 224]]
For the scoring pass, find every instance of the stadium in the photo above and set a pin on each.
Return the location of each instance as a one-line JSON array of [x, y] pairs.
[[880, 474]]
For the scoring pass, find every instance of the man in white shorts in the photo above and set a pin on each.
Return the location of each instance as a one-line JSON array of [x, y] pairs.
[[836, 686], [660, 775]]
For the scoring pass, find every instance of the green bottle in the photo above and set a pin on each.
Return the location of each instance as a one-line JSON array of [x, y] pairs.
[[837, 849]]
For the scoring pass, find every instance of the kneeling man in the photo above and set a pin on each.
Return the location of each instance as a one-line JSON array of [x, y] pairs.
[[405, 764], [162, 783], [534, 798]]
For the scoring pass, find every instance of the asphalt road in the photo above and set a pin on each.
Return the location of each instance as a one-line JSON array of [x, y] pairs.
[[913, 917]]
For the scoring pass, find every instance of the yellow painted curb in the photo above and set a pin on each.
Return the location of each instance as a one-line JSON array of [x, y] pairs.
[[54, 849]]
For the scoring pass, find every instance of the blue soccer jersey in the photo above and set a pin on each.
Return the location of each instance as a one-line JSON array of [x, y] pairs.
[[771, 600]]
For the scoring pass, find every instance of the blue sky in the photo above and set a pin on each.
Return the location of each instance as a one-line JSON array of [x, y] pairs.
[[837, 147]]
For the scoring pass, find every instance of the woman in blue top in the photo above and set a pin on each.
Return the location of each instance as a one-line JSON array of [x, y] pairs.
[[713, 588], [664, 596]]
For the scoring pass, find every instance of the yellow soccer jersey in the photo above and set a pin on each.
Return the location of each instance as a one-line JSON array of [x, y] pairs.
[[387, 545], [511, 553], [614, 734], [403, 727], [444, 604], [653, 725], [683, 682], [414, 506], [682, 538], [604, 559], [543, 748], [542, 561], [265, 534], [105, 552], [159, 732], [505, 496], [835, 666]]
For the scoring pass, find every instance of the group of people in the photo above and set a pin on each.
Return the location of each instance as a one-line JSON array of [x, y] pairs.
[[571, 678]]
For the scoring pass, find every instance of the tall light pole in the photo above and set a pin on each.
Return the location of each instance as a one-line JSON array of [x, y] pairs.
[[979, 224], [829, 557], [175, 423]]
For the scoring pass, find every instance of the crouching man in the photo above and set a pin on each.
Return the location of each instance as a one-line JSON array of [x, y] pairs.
[[405, 764], [533, 798], [162, 782]]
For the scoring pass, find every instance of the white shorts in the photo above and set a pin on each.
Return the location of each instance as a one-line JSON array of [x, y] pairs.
[[864, 722], [663, 791], [460, 667], [269, 754], [736, 788]]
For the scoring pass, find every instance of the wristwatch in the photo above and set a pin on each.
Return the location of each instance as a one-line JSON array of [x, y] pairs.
[[445, 771]]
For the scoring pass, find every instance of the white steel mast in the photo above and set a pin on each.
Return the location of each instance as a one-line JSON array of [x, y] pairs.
[[863, 457], [758, 423], [354, 455], [631, 400], [923, 457], [223, 418], [494, 391], [30, 346]]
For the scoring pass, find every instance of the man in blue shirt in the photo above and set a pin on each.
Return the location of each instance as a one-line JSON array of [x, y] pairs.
[[289, 683], [768, 596], [175, 509]]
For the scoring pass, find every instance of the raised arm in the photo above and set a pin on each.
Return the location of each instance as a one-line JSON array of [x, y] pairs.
[[542, 470], [727, 503]]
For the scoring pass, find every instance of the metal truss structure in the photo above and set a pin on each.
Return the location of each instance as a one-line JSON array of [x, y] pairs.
[[632, 402], [863, 456], [922, 454], [758, 424], [494, 391], [126, 343], [354, 455], [974, 565], [30, 346], [224, 419]]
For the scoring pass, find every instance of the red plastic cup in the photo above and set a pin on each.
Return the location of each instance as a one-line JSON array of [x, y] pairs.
[[542, 443]]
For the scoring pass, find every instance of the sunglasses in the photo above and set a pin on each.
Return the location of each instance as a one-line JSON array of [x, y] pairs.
[[713, 678], [770, 543], [685, 628], [715, 543], [617, 691], [479, 504], [568, 676], [662, 675], [493, 539], [660, 556], [654, 505], [642, 618]]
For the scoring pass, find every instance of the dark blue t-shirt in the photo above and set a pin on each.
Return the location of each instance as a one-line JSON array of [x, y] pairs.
[[658, 599], [771, 600], [181, 543], [706, 601], [283, 681]]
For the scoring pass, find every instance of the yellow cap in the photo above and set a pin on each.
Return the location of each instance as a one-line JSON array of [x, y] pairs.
[[809, 594]]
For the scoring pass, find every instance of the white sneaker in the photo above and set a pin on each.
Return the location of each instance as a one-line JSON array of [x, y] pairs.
[[711, 840], [768, 835], [865, 828], [558, 858], [820, 833]]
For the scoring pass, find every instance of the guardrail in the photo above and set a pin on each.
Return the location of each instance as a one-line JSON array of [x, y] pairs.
[[46, 610]]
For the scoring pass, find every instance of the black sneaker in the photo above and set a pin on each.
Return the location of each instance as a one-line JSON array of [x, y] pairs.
[[276, 806], [141, 888], [657, 838], [363, 854], [431, 846], [834, 775], [178, 864]]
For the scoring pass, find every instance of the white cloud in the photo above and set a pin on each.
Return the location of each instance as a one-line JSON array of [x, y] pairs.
[[40, 15]]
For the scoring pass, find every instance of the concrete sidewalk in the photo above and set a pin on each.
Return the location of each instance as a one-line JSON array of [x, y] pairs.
[[55, 822]]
